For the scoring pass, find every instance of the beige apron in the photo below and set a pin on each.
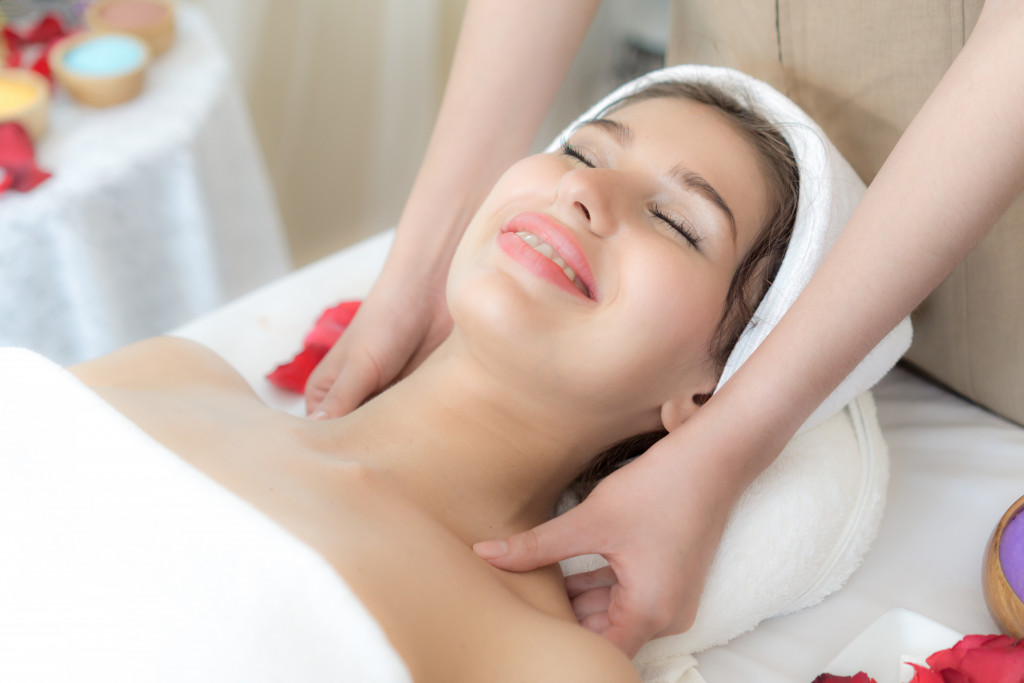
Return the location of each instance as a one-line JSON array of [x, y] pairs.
[[863, 70]]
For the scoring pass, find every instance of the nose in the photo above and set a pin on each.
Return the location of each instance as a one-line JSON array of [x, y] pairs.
[[589, 194]]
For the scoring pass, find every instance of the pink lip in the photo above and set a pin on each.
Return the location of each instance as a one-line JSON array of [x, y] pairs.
[[559, 237]]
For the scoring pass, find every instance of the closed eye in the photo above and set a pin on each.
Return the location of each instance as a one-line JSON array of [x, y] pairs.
[[680, 225], [575, 152]]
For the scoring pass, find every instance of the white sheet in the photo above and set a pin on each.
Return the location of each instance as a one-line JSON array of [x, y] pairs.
[[120, 562]]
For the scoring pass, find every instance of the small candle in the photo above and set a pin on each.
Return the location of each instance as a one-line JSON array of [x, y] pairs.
[[1011, 554], [105, 56], [133, 14], [15, 96]]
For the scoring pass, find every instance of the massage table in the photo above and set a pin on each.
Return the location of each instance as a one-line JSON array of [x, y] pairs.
[[955, 468]]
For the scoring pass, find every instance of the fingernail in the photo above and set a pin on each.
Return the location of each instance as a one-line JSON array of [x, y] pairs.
[[319, 415], [489, 550]]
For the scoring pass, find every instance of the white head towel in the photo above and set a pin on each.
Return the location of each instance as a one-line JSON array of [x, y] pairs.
[[829, 191]]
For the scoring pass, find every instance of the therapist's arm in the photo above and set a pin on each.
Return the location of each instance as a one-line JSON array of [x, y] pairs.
[[510, 60], [658, 520]]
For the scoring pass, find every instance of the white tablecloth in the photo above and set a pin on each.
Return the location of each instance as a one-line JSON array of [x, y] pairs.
[[159, 210]]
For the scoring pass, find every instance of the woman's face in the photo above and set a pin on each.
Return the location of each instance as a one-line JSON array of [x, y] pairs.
[[598, 274]]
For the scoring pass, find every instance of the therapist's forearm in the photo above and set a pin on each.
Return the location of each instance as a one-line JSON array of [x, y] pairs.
[[510, 61], [955, 170]]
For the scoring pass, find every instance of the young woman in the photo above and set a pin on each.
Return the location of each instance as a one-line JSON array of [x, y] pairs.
[[595, 297]]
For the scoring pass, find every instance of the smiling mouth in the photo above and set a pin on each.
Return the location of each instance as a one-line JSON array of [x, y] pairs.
[[549, 252]]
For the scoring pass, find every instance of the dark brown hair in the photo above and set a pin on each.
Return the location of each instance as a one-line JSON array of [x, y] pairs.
[[756, 269]]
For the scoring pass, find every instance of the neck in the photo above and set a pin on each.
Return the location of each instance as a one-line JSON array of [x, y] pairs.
[[482, 458]]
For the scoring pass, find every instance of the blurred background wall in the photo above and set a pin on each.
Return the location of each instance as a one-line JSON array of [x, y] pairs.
[[343, 95]]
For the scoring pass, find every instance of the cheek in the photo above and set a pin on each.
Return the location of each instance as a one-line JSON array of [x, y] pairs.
[[678, 298], [670, 310], [527, 185]]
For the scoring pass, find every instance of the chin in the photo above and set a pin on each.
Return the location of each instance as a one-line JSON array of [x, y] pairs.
[[492, 310]]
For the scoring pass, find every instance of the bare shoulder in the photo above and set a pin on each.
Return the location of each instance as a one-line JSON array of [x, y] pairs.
[[560, 651], [161, 364]]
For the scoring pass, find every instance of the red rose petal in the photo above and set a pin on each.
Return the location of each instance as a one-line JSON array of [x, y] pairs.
[[42, 65], [1004, 665], [12, 38], [332, 323], [49, 28], [925, 675], [46, 32], [859, 677], [979, 659], [328, 328], [294, 375], [13, 58], [18, 158]]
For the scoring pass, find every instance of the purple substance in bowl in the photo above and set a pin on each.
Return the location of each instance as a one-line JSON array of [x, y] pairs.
[[1011, 554]]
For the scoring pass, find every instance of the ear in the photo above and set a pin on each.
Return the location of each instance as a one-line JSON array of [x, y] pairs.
[[678, 410]]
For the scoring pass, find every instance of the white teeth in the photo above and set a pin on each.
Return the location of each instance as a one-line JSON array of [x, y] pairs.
[[548, 251], [530, 238]]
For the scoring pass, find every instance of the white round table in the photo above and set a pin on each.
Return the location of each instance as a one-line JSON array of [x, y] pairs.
[[158, 211]]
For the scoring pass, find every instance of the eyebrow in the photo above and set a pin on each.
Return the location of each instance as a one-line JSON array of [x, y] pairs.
[[617, 129], [689, 180]]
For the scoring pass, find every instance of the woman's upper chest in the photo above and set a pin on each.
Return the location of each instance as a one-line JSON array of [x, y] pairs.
[[437, 602]]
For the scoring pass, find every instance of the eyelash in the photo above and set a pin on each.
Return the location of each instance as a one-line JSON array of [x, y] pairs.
[[690, 235]]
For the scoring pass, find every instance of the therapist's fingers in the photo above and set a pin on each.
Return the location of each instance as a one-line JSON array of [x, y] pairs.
[[627, 639], [591, 602], [357, 380], [596, 622], [635, 616], [575, 584], [566, 536], [389, 336]]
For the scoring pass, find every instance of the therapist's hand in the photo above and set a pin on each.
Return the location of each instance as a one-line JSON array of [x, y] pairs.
[[658, 530], [402, 319]]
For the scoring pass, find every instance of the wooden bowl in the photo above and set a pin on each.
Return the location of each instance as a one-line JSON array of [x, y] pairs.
[[34, 114], [1005, 606], [98, 91], [117, 16]]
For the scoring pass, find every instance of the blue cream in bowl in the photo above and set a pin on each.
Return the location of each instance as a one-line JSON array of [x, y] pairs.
[[108, 55], [101, 69]]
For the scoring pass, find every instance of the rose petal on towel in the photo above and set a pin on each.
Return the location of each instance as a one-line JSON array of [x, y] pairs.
[[294, 375], [18, 159], [331, 324], [328, 328]]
